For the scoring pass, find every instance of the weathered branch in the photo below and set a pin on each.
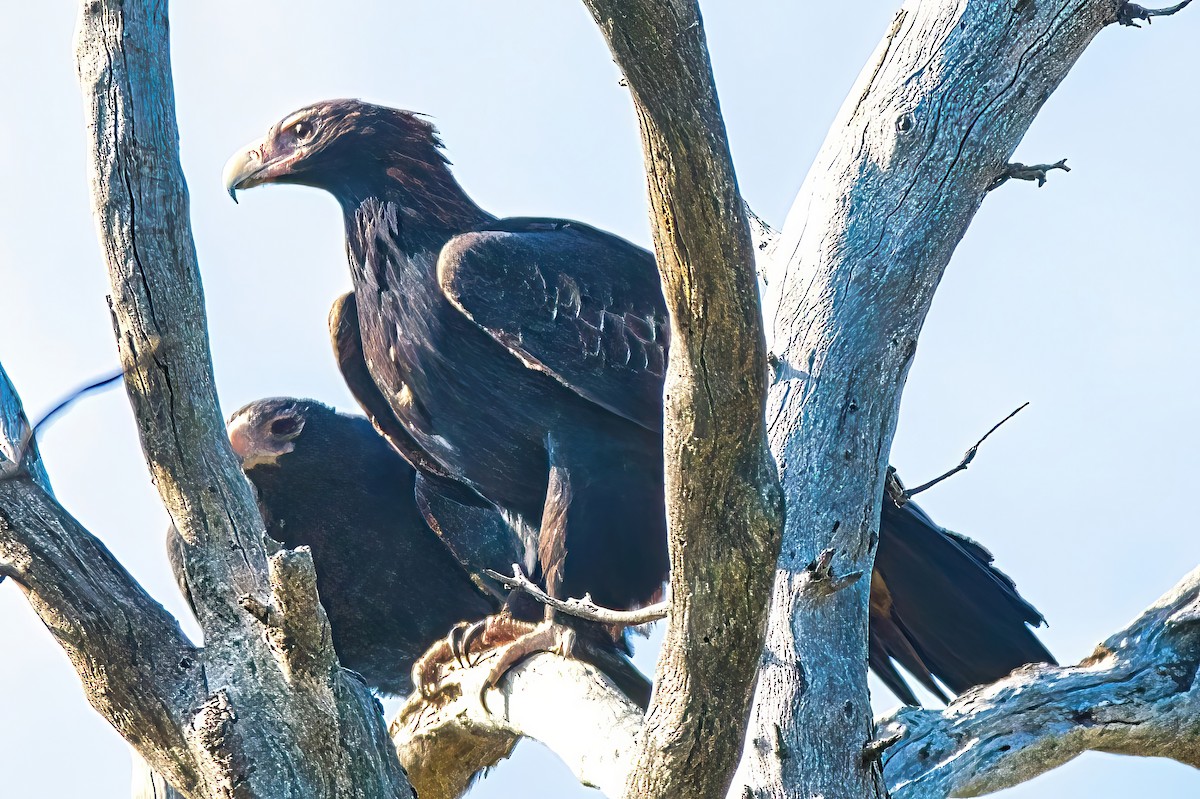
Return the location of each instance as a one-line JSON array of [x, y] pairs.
[[274, 708], [723, 502], [138, 669], [567, 704], [1138, 694], [934, 117], [142, 217]]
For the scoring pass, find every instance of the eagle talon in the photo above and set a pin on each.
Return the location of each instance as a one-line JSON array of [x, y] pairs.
[[464, 647], [454, 642], [548, 636], [427, 671], [473, 634], [461, 639]]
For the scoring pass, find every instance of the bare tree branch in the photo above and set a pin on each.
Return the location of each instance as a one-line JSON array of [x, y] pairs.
[[1138, 694], [142, 217], [935, 116], [966, 461], [564, 703], [139, 671], [723, 502], [274, 709]]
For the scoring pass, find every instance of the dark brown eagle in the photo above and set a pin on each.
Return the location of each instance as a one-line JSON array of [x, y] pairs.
[[524, 359]]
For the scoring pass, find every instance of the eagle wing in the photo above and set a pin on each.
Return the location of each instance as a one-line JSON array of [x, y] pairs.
[[348, 350], [470, 526], [583, 306]]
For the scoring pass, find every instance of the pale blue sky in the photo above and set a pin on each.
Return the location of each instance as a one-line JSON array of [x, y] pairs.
[[1080, 297]]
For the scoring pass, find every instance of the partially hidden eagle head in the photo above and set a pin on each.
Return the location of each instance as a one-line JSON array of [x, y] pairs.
[[346, 147], [263, 431]]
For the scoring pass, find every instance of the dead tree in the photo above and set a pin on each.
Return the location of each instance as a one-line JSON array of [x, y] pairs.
[[926, 133], [264, 710]]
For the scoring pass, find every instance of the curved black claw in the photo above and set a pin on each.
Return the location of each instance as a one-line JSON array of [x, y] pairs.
[[463, 637], [428, 671]]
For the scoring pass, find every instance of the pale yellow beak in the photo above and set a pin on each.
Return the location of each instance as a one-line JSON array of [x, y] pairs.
[[245, 169]]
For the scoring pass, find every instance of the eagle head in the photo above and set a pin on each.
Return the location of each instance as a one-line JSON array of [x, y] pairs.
[[336, 145], [266, 430]]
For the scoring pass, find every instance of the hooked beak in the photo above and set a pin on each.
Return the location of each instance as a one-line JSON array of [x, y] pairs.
[[251, 166], [240, 437]]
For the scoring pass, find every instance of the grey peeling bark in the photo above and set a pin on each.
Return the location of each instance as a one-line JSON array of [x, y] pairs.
[[275, 716], [723, 502], [138, 669], [1138, 694], [930, 124]]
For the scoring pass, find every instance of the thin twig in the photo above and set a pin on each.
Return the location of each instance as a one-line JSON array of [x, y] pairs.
[[49, 416], [966, 461], [1019, 171], [581, 608], [873, 749], [1130, 13]]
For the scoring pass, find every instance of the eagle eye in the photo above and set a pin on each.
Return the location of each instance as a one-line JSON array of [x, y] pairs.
[[303, 130], [285, 427]]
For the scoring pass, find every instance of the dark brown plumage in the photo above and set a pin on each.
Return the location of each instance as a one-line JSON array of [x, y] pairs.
[[942, 611], [326, 481], [389, 585], [524, 358]]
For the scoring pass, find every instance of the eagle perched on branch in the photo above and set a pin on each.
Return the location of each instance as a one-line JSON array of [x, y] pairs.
[[524, 358]]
